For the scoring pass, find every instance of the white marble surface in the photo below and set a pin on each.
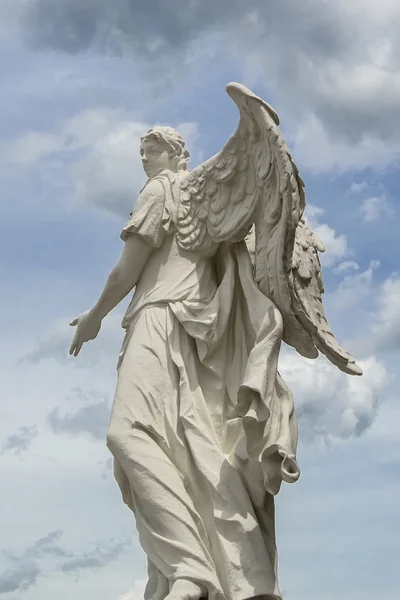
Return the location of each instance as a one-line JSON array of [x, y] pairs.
[[203, 430]]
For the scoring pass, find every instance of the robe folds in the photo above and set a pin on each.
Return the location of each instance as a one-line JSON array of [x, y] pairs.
[[202, 430]]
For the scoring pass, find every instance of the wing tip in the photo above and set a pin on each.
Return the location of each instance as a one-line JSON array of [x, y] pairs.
[[233, 87], [352, 368], [346, 364], [237, 91]]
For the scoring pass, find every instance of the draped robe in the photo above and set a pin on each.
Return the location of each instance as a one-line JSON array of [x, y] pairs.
[[202, 427]]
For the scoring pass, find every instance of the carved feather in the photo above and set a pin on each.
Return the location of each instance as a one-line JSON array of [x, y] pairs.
[[253, 180]]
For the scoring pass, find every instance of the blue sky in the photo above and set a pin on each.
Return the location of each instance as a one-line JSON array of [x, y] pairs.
[[80, 83]]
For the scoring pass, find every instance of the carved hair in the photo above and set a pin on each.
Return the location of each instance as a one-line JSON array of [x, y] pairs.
[[172, 141]]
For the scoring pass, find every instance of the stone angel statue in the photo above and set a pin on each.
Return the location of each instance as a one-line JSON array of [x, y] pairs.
[[203, 429]]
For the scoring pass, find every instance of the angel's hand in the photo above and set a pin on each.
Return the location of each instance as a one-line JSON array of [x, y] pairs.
[[87, 327]]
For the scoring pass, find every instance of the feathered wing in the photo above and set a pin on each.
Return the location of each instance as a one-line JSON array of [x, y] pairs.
[[254, 181]]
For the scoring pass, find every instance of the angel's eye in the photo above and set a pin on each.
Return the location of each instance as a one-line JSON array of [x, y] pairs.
[[141, 151]]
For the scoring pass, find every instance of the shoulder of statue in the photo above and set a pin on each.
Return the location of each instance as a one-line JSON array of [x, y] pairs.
[[168, 180], [163, 189], [153, 186]]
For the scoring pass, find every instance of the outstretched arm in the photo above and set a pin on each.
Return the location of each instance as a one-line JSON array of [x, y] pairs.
[[122, 279], [124, 275]]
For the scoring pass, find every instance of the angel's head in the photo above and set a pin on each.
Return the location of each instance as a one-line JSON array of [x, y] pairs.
[[163, 148]]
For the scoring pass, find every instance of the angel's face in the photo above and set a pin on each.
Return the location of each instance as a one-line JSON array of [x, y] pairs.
[[154, 157]]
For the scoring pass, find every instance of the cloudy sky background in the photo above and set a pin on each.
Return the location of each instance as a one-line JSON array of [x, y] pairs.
[[81, 81]]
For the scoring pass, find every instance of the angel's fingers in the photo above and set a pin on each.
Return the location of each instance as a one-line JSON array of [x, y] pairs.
[[78, 348], [74, 344], [74, 322]]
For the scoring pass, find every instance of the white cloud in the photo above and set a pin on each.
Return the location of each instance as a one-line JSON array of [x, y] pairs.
[[10, 13], [386, 321], [332, 70], [329, 404], [111, 174], [346, 266], [55, 342], [354, 288], [331, 67], [336, 246], [20, 441], [340, 116], [47, 554], [100, 154], [358, 187], [369, 311], [313, 212], [79, 500], [64, 475], [375, 207], [91, 420], [136, 592], [30, 148], [316, 150]]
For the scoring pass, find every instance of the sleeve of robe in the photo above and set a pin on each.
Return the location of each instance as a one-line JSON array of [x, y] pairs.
[[152, 216]]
